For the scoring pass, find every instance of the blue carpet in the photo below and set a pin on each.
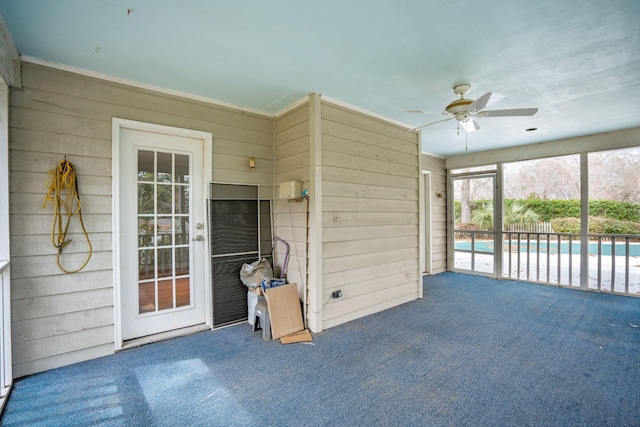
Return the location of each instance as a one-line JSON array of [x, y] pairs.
[[473, 352]]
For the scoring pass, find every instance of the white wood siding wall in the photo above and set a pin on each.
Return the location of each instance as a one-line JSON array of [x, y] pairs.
[[292, 162], [370, 214], [59, 319], [438, 195]]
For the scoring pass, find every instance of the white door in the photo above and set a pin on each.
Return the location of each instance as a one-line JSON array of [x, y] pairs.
[[474, 237], [162, 232]]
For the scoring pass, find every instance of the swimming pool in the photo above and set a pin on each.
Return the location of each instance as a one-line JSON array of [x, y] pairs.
[[634, 248]]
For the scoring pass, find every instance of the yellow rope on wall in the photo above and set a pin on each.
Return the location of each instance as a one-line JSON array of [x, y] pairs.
[[63, 194]]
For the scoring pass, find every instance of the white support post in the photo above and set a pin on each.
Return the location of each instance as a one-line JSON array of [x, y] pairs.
[[584, 221], [499, 221], [424, 195], [450, 222], [314, 293], [6, 370]]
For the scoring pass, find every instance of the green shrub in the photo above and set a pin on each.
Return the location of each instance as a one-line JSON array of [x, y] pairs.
[[562, 209], [614, 226], [623, 211], [566, 225], [597, 225], [549, 209]]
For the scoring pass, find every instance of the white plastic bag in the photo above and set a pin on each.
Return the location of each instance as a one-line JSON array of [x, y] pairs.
[[252, 274]]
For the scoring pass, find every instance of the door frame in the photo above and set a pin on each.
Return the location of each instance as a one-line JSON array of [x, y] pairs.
[[427, 231], [497, 223], [207, 138], [6, 365]]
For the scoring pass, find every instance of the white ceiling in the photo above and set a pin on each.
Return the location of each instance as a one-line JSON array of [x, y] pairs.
[[577, 61]]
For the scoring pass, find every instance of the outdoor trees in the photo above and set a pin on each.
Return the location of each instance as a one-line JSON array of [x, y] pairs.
[[614, 175], [546, 179], [550, 188]]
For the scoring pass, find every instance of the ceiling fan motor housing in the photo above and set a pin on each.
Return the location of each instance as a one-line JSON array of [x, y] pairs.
[[458, 106]]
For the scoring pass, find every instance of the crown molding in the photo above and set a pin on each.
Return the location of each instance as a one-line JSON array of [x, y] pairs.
[[133, 83]]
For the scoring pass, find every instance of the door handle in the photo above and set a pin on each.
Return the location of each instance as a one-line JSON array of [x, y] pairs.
[[198, 238]]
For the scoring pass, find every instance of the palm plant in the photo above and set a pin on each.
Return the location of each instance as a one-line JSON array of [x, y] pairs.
[[514, 213], [482, 216], [519, 213]]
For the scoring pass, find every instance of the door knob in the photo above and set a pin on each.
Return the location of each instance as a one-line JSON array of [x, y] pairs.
[[198, 238], [199, 226]]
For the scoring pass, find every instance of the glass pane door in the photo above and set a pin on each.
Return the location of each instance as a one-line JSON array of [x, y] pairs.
[[164, 279]]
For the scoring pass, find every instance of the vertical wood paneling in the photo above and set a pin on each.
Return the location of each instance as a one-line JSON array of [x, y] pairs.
[[62, 319], [370, 214]]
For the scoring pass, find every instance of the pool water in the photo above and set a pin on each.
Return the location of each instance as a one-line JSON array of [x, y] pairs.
[[634, 248]]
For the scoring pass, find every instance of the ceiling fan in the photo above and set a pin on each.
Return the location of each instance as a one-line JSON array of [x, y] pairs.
[[464, 110]]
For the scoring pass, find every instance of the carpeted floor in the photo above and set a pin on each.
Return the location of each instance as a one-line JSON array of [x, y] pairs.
[[473, 352]]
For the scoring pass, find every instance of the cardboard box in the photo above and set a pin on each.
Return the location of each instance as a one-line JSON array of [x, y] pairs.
[[302, 336], [285, 313]]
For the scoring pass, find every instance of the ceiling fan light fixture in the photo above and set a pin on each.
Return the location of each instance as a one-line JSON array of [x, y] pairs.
[[469, 125]]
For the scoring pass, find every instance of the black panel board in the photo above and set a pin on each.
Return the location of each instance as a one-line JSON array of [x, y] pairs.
[[234, 229], [234, 226], [266, 240], [229, 293]]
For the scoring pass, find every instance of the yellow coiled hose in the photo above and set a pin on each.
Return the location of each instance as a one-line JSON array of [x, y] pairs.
[[63, 194]]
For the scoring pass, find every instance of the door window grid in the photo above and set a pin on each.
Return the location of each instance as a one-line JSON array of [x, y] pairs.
[[163, 231]]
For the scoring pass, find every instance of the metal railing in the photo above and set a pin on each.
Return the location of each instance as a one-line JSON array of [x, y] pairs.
[[547, 250], [612, 261], [474, 251]]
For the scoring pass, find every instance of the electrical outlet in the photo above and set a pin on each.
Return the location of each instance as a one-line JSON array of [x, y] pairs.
[[336, 294]]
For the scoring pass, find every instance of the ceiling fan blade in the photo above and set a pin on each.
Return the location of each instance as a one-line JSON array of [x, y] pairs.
[[423, 112], [480, 103], [486, 99], [507, 113], [469, 125], [434, 123]]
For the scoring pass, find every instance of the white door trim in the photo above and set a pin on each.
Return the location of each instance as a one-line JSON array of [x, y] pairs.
[[426, 232], [6, 365], [207, 138]]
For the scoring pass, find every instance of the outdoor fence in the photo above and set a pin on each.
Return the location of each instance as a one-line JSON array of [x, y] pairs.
[[536, 227]]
